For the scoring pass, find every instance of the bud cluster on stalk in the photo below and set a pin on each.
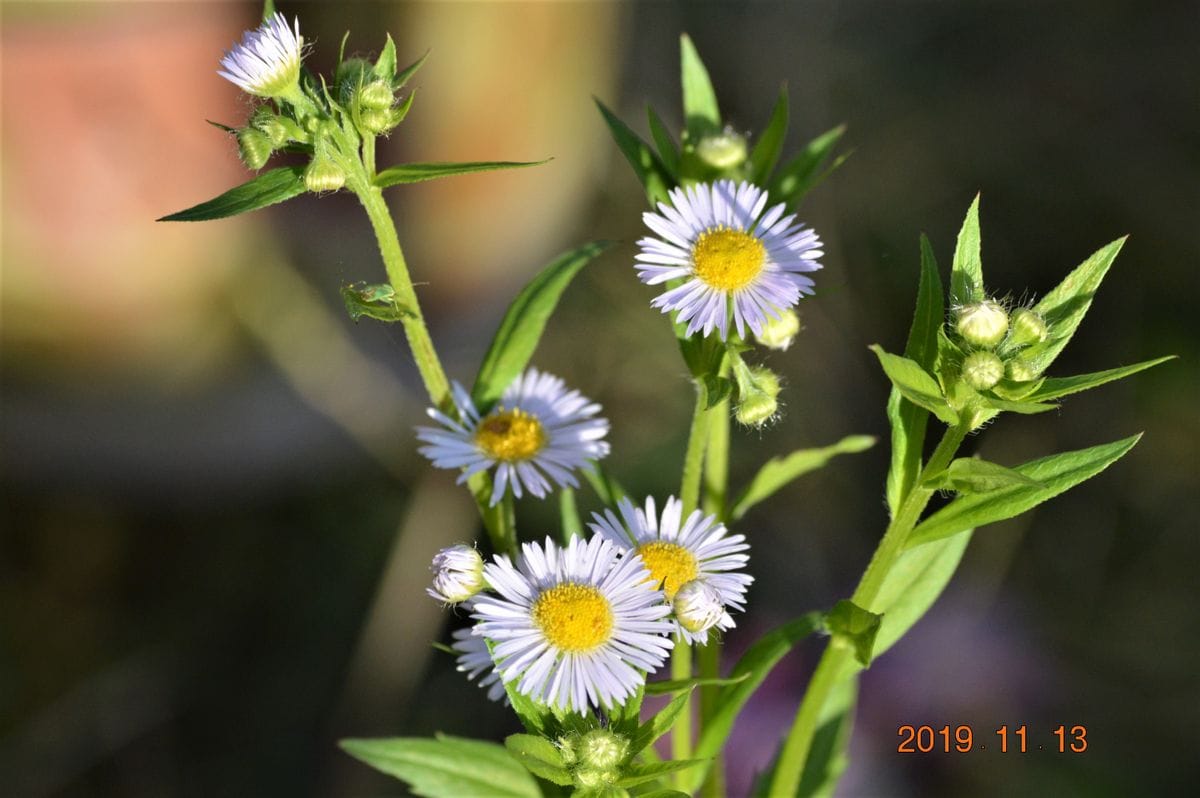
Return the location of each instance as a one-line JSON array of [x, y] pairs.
[[992, 341]]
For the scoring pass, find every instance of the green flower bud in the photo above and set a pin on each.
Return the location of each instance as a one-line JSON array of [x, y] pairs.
[[375, 122], [1020, 370], [323, 174], [376, 95], [590, 778], [351, 75], [779, 333], [756, 410], [757, 388], [982, 370], [566, 749], [724, 150], [1028, 327], [254, 147], [271, 126], [983, 324], [600, 749]]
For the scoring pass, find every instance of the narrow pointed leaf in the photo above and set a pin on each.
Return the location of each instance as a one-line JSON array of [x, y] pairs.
[[1016, 391], [1055, 387], [779, 471], [664, 794], [539, 756], [638, 773], [523, 324], [406, 74], [913, 584], [448, 767], [1056, 474], [973, 475], [626, 718], [854, 628], [915, 384], [716, 390], [966, 273], [700, 111], [403, 174], [658, 725], [385, 65], [269, 188], [798, 176], [829, 756], [766, 150], [650, 171], [1025, 407], [675, 685], [668, 152]]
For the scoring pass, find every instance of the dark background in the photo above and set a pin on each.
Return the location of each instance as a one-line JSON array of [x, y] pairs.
[[216, 528]]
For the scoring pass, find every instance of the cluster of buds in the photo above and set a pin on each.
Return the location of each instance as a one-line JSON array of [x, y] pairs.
[[594, 758], [369, 99], [993, 340]]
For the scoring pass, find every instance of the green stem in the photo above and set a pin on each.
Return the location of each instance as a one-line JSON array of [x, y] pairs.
[[836, 659], [693, 459], [708, 657], [681, 732], [368, 155]]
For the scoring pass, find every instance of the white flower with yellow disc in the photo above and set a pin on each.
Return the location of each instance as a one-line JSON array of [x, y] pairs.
[[538, 431], [574, 627], [717, 239], [678, 551]]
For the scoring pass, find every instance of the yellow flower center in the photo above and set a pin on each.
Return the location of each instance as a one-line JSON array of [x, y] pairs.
[[671, 565], [727, 259], [574, 617], [510, 435]]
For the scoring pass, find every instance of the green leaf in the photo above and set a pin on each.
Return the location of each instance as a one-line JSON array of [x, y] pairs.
[[913, 584], [972, 475], [668, 152], [406, 173], [675, 685], [536, 717], [803, 172], [625, 719], [716, 390], [1056, 473], [779, 471], [757, 662], [448, 767], [1024, 407], [828, 756], [656, 180], [385, 65], [540, 757], [523, 324], [342, 51], [1066, 305], [639, 773], [700, 111], [571, 526], [664, 794], [374, 302], [966, 273], [1016, 391], [766, 150], [909, 421], [406, 74], [658, 725], [854, 628], [1055, 387], [268, 9], [268, 188], [915, 384]]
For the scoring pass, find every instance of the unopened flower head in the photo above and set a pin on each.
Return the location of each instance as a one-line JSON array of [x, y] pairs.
[[573, 627], [718, 240], [698, 606], [778, 333], [538, 431], [982, 370], [322, 175], [724, 150], [1028, 327], [457, 574], [1018, 369], [266, 62], [677, 551], [475, 660], [983, 324]]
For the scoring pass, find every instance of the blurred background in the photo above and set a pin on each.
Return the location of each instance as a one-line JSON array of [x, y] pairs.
[[216, 528]]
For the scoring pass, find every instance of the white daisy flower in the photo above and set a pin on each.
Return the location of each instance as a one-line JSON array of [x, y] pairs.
[[267, 60], [716, 238], [538, 429], [574, 627], [677, 553], [457, 574], [474, 659]]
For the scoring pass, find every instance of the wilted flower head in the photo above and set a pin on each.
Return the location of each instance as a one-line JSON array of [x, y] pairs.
[[266, 62]]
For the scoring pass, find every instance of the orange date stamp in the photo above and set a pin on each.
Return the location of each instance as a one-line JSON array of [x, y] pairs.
[[1008, 739]]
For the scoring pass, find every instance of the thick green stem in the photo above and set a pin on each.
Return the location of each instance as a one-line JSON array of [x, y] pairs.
[[681, 732], [693, 458], [708, 657], [836, 659]]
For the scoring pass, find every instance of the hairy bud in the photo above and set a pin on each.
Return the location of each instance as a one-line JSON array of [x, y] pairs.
[[982, 324]]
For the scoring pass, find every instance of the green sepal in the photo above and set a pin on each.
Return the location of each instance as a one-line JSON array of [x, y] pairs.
[[1055, 474], [966, 272], [700, 112], [385, 64], [779, 471], [668, 152], [374, 301], [540, 757], [640, 773], [403, 174], [915, 384], [656, 180], [766, 150], [675, 685], [658, 725], [973, 475], [523, 324], [803, 172], [1056, 387], [854, 628], [447, 767], [269, 188], [716, 390]]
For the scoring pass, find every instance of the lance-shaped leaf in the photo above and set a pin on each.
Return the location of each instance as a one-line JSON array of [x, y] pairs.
[[1025, 407], [624, 719], [656, 180], [700, 111], [1055, 387], [973, 475], [854, 628], [658, 725], [385, 64], [374, 302], [915, 384], [269, 188], [716, 390], [828, 756], [638, 773], [539, 756], [966, 273], [913, 585], [668, 152], [779, 471], [1056, 473], [448, 767], [758, 661], [675, 685], [406, 173], [523, 324], [770, 143], [799, 175], [406, 74]]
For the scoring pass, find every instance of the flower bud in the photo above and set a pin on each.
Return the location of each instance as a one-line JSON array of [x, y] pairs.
[[457, 574], [779, 333], [1020, 370], [982, 324], [376, 95], [982, 370], [596, 778], [757, 388], [756, 410], [601, 749], [724, 150], [374, 121], [1028, 327], [698, 606], [254, 147], [323, 174], [271, 126]]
